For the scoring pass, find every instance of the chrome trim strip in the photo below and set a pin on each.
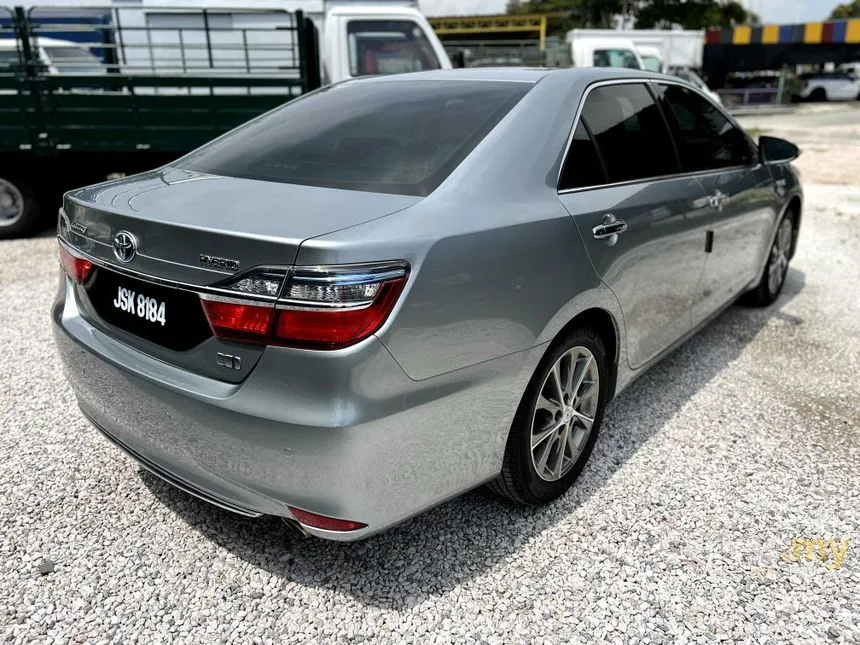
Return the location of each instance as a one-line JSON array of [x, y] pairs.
[[347, 279], [241, 298], [302, 305], [643, 81], [350, 274], [153, 258], [175, 284]]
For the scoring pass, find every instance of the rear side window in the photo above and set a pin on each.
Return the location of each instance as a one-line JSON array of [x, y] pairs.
[[630, 133], [706, 139], [402, 137], [583, 166]]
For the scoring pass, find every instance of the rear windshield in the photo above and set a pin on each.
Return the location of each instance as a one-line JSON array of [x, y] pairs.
[[402, 137]]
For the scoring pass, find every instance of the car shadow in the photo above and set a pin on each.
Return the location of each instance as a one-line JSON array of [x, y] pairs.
[[443, 547]]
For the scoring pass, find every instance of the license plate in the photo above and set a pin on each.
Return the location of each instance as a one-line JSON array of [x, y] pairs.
[[140, 305], [167, 316]]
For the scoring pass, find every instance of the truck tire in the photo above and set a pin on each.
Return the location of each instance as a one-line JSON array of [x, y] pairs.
[[818, 95], [19, 212]]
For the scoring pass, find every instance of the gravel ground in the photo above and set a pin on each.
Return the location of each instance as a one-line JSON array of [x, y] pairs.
[[679, 530]]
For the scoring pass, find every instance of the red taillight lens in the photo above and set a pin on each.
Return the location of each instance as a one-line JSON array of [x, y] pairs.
[[242, 322], [78, 269], [321, 307], [333, 328], [322, 522]]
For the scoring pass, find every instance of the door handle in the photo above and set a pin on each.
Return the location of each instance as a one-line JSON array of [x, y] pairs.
[[718, 200], [609, 229]]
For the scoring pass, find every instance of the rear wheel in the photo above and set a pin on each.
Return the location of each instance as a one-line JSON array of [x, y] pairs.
[[818, 94], [19, 212], [557, 422], [770, 285]]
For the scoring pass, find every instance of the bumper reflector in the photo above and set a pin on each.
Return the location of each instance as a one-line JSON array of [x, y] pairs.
[[325, 523]]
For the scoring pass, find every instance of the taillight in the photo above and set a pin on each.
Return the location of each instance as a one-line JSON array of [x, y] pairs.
[[240, 321], [78, 269], [319, 308], [330, 308], [324, 522]]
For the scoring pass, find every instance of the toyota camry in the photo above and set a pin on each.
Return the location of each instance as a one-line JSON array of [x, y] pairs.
[[395, 289]]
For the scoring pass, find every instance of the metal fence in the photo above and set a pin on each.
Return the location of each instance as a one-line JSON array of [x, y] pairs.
[[153, 40]]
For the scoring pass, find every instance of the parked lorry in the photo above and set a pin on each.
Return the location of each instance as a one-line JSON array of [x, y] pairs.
[[661, 49], [174, 77]]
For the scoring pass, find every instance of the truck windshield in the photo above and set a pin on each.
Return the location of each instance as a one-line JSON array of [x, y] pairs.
[[400, 136], [388, 47], [615, 58]]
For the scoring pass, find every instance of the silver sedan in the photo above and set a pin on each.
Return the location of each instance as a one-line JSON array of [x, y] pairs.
[[393, 290]]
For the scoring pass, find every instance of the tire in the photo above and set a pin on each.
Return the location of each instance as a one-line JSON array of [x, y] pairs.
[[19, 211], [579, 353], [818, 95], [772, 280]]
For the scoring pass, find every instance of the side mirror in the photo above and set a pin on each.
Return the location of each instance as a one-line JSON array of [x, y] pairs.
[[775, 150]]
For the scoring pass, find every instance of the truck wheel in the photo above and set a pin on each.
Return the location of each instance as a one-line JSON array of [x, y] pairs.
[[19, 212], [818, 94]]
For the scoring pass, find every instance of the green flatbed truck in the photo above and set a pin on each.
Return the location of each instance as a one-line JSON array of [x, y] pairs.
[[160, 82]]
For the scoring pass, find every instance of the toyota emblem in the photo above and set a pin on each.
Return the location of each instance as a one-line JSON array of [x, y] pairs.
[[124, 246]]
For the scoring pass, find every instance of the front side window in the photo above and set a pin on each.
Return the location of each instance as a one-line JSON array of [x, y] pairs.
[[615, 58], [630, 133], [401, 137], [706, 139], [388, 47]]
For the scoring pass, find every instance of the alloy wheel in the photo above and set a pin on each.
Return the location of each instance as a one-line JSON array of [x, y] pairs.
[[779, 256], [564, 413]]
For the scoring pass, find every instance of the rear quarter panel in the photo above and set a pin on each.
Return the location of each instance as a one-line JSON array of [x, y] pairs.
[[498, 265]]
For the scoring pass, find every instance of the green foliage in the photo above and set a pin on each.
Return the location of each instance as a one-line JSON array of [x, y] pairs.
[[580, 13], [846, 10], [649, 14], [693, 14]]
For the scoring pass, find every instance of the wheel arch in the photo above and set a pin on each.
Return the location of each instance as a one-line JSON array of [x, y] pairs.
[[794, 208], [607, 327]]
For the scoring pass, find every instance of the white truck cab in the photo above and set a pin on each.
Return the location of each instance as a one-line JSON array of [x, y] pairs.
[[587, 50], [362, 40]]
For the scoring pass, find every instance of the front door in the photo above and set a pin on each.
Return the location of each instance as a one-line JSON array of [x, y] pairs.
[[642, 223], [739, 189]]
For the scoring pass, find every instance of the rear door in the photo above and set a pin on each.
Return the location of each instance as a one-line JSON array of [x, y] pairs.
[[740, 191], [642, 223]]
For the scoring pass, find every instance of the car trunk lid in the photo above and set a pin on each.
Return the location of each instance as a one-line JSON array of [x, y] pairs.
[[194, 233]]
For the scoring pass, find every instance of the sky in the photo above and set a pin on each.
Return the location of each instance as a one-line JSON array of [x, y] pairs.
[[771, 11]]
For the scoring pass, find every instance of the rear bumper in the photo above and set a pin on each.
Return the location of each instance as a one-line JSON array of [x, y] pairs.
[[344, 434]]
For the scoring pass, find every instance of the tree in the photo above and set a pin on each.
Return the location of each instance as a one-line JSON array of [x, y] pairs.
[[581, 13], [649, 14], [692, 14], [846, 10]]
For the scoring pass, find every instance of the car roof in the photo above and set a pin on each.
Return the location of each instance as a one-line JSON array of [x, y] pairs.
[[517, 74]]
